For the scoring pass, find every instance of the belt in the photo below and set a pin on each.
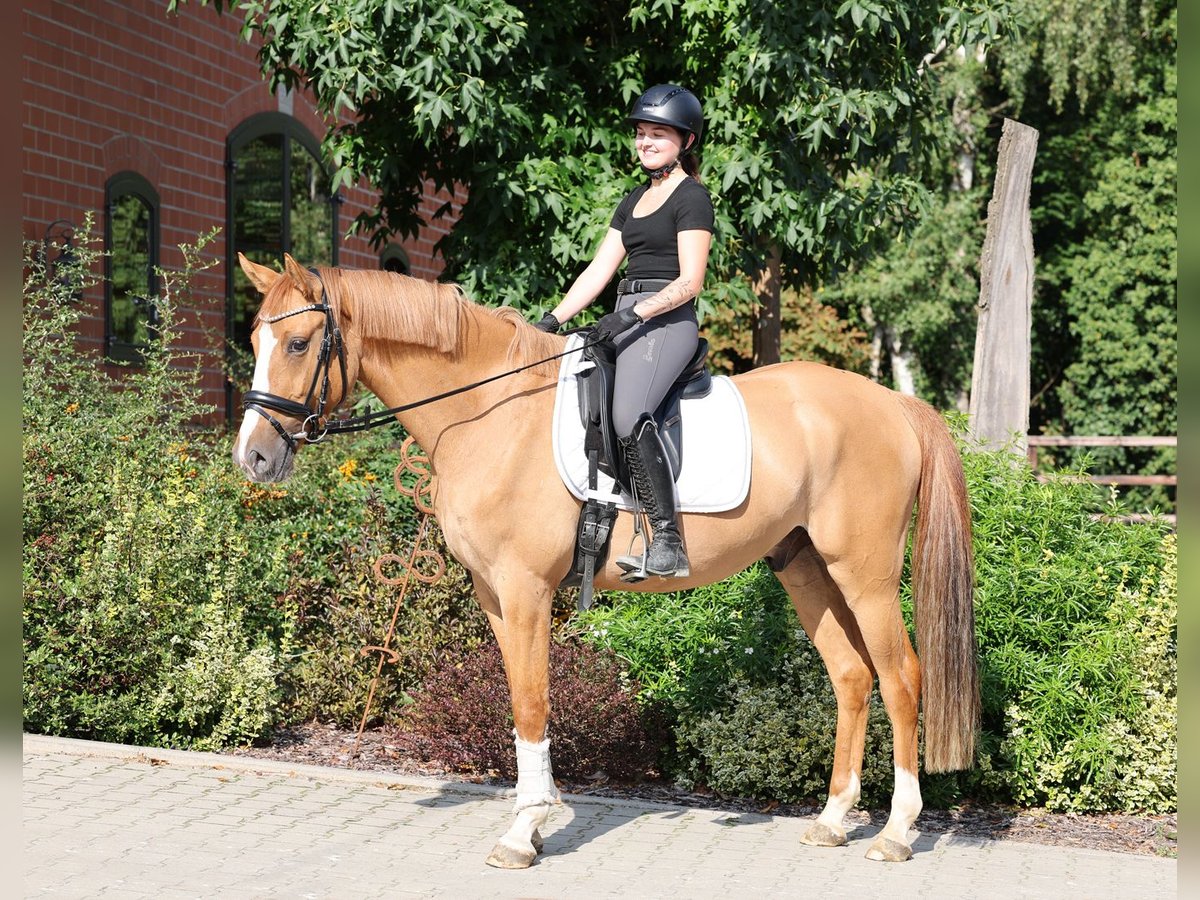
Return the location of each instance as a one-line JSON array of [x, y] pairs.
[[641, 285]]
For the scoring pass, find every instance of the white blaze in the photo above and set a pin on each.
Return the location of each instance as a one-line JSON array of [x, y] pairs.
[[261, 382]]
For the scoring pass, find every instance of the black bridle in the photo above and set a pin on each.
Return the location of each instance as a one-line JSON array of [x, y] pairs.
[[315, 422], [315, 425]]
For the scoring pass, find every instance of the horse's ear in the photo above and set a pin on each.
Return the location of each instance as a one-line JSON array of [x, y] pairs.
[[304, 279], [262, 277]]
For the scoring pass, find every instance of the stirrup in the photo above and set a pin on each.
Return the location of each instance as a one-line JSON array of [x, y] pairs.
[[634, 567]]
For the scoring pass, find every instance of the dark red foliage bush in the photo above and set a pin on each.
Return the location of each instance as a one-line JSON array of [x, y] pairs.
[[462, 717]]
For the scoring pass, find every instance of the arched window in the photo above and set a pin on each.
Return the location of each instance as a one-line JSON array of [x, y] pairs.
[[131, 256], [279, 202], [394, 259]]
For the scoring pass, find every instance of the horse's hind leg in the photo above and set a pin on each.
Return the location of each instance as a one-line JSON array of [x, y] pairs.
[[823, 614], [871, 587]]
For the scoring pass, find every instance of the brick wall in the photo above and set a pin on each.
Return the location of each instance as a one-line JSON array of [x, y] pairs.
[[113, 85]]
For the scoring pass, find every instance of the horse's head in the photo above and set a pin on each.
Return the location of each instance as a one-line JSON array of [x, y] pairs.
[[304, 367]]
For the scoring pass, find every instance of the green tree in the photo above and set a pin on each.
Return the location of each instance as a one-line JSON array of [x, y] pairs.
[[820, 121], [918, 298], [1103, 94], [1098, 82]]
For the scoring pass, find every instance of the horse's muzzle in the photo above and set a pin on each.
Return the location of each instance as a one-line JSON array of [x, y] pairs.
[[263, 458]]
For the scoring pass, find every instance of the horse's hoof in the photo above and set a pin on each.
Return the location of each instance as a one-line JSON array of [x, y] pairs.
[[537, 841], [820, 835], [505, 856], [887, 850]]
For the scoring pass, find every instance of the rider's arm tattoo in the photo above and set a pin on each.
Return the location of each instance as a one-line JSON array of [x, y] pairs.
[[677, 293]]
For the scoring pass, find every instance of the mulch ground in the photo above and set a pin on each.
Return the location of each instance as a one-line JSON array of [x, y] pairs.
[[325, 745]]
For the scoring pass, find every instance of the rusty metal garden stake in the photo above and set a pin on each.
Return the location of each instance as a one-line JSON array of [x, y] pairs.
[[417, 464]]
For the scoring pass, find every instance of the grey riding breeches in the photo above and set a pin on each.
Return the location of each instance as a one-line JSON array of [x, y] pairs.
[[649, 359]]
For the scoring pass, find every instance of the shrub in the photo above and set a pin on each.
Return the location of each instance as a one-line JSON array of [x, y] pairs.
[[1076, 617], [338, 514], [221, 692], [137, 574], [684, 647], [461, 717], [348, 609], [774, 740]]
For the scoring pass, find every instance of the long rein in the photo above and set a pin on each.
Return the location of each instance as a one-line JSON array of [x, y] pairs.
[[315, 428]]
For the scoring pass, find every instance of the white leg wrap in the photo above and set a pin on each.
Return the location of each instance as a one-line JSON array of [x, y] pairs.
[[535, 784]]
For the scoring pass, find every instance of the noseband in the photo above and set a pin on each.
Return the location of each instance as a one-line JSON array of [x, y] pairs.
[[314, 425]]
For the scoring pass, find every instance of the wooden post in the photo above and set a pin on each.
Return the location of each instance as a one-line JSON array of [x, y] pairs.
[[999, 407]]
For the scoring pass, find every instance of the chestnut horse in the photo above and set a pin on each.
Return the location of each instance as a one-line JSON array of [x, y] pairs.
[[838, 463]]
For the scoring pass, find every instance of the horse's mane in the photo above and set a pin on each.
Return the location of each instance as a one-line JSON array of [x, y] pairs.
[[389, 306]]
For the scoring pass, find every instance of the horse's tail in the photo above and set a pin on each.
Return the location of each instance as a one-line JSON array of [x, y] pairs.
[[943, 572]]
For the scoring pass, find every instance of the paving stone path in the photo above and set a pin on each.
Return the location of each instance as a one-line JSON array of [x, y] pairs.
[[104, 820]]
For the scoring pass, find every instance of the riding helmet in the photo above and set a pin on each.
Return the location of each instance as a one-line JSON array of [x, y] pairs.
[[670, 104]]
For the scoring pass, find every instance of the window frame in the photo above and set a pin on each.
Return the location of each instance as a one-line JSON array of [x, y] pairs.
[[260, 125], [119, 185]]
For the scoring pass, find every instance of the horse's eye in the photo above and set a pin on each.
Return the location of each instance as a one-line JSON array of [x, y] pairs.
[[297, 345]]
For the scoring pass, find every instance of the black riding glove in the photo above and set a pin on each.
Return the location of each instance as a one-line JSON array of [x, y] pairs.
[[615, 323], [548, 323]]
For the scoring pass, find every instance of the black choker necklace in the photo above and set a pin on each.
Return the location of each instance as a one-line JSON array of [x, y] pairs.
[[660, 174]]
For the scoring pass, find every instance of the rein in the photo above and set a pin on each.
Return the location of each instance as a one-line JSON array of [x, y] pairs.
[[315, 425]]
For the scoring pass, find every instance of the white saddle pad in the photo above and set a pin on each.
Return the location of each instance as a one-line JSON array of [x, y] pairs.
[[716, 444]]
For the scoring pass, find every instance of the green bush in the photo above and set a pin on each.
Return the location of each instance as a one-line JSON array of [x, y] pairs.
[[221, 692], [337, 515], [775, 739], [684, 647], [1076, 617], [1076, 621], [329, 677], [138, 576], [752, 709]]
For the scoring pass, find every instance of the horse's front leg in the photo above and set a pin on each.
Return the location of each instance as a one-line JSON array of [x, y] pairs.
[[520, 619]]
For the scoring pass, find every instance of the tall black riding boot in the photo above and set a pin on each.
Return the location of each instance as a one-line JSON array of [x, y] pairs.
[[655, 488]]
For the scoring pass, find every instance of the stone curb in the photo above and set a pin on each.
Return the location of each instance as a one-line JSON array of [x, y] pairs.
[[62, 746]]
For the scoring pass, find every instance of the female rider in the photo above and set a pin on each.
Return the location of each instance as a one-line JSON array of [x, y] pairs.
[[664, 228]]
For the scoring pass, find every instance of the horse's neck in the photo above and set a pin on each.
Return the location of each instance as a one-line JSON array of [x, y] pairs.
[[399, 375]]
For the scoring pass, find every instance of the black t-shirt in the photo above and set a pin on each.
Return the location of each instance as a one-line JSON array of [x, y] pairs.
[[651, 242]]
